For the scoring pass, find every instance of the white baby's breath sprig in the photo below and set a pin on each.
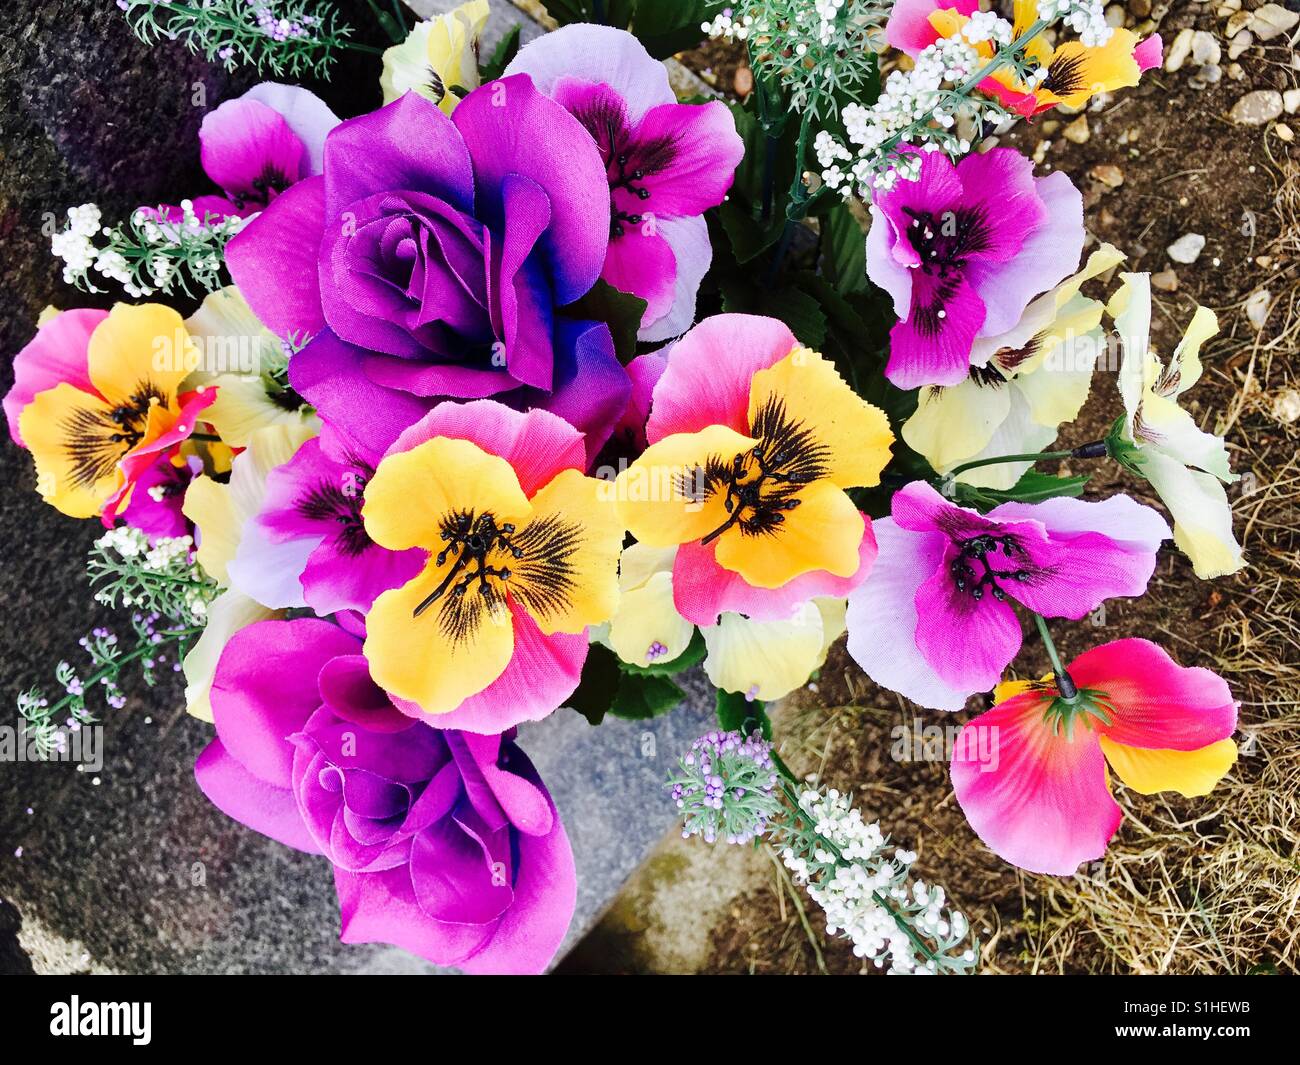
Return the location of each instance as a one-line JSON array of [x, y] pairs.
[[147, 254]]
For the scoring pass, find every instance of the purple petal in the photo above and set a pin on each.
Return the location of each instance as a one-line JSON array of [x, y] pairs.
[[250, 800], [967, 642], [273, 261], [249, 150], [410, 145], [306, 113], [511, 128], [932, 347]]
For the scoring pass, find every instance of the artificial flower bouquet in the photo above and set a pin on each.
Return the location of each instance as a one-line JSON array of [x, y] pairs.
[[539, 385]]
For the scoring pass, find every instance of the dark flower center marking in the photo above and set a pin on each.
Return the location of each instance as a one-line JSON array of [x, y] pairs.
[[983, 551], [266, 186], [943, 243], [1065, 76], [628, 162], [95, 440], [339, 502], [761, 485], [489, 558]]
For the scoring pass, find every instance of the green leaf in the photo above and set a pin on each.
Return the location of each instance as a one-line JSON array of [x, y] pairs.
[[666, 27], [692, 656], [1033, 487], [844, 251], [640, 697], [738, 714], [748, 228], [505, 51], [621, 311], [601, 674], [796, 308]]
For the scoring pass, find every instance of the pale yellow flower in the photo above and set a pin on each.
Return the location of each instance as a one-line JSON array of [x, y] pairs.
[[437, 54]]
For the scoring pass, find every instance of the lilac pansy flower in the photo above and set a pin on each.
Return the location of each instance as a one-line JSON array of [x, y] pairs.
[[665, 163], [316, 497], [258, 145], [962, 250], [443, 843], [430, 261], [934, 618]]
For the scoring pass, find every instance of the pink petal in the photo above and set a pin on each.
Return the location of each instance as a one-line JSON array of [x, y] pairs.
[[705, 152], [909, 29], [57, 353], [243, 142], [1039, 801], [1149, 53], [642, 262], [538, 445], [702, 589], [710, 370], [1158, 703]]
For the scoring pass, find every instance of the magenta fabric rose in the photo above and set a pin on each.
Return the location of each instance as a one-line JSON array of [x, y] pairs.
[[444, 843]]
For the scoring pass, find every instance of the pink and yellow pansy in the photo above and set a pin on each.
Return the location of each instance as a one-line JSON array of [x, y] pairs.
[[1071, 73], [753, 440], [1031, 776], [522, 557], [98, 403]]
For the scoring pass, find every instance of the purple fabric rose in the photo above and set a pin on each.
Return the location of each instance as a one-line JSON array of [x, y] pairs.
[[430, 259], [962, 250], [443, 843], [665, 163]]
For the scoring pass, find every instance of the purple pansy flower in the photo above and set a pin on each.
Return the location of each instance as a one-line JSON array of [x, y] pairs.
[[317, 496], [962, 250], [257, 146], [429, 261], [934, 621], [443, 843], [666, 163], [155, 504]]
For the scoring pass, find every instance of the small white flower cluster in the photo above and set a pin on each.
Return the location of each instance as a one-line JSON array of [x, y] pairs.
[[160, 575], [1086, 17], [867, 896], [916, 108], [814, 50], [148, 255], [987, 26]]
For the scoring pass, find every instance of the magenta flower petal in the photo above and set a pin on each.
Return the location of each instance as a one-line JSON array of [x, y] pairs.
[[696, 172], [57, 353], [693, 254], [249, 150], [307, 115], [265, 689], [909, 29], [968, 643], [1158, 704], [1039, 800], [251, 800], [273, 261], [642, 262], [155, 504]]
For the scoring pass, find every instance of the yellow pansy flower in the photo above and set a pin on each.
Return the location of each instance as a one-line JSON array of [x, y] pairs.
[[437, 54]]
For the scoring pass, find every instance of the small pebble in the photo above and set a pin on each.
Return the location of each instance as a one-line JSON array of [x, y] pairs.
[[1286, 406], [1257, 307], [1179, 50], [1272, 20], [1237, 23], [1239, 43], [1291, 101], [1108, 174], [1187, 248], [743, 82], [1257, 108], [1077, 132], [1284, 133], [1165, 281], [1205, 49]]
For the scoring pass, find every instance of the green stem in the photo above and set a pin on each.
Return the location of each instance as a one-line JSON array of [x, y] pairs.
[[113, 668], [1064, 682], [385, 20], [1094, 450]]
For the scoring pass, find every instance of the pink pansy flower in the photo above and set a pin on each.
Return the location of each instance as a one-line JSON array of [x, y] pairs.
[[667, 163], [962, 250], [256, 146], [1031, 776], [934, 619], [155, 504]]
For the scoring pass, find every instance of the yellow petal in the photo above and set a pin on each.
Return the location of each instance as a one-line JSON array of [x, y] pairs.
[[639, 562], [227, 614], [763, 659], [414, 492], [646, 627], [953, 424], [70, 435], [1186, 369], [805, 391], [566, 575], [1189, 773], [823, 533], [661, 497], [452, 650], [141, 350], [1088, 71], [244, 406]]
